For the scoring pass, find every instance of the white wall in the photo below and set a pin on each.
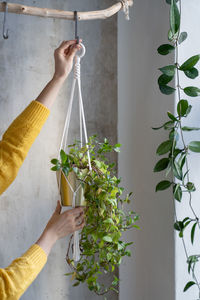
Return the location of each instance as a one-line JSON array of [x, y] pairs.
[[149, 274], [191, 24]]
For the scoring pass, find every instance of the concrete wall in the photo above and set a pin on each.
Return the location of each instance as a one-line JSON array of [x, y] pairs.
[[149, 274], [26, 65], [191, 24]]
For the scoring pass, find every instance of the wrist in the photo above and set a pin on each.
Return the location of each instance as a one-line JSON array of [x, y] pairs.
[[59, 78], [47, 241]]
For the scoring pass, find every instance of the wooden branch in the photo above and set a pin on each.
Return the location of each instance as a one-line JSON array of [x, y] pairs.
[[60, 14]]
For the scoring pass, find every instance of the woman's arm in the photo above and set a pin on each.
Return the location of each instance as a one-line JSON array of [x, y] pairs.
[[17, 277], [21, 134]]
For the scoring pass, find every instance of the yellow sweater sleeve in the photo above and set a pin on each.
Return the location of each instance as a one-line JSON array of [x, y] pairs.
[[17, 141], [16, 278]]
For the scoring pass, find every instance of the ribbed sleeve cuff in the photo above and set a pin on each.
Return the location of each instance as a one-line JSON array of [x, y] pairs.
[[36, 255], [35, 114]]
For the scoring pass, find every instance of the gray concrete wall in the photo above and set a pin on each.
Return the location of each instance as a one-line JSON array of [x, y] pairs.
[[149, 275], [26, 65]]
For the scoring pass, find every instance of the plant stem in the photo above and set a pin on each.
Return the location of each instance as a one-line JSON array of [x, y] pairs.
[[185, 148]]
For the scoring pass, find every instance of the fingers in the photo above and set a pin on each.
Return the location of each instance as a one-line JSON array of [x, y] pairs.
[[58, 207], [66, 44], [81, 225], [77, 211], [79, 216], [79, 219], [72, 51]]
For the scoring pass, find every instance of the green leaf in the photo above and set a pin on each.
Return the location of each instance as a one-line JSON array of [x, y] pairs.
[[107, 238], [192, 260], [188, 110], [170, 36], [108, 221], [192, 73], [117, 148], [188, 285], [194, 146], [190, 63], [182, 37], [192, 91], [174, 17], [177, 191], [167, 125], [157, 128], [67, 274], [167, 90], [165, 49], [128, 252], [169, 1], [113, 289], [63, 156], [186, 128], [164, 79], [164, 147], [54, 161], [177, 226], [181, 160], [115, 281], [177, 151], [171, 116], [117, 145], [55, 168], [177, 170], [182, 107], [193, 232], [190, 186], [161, 165], [173, 135], [163, 185], [76, 283], [168, 70]]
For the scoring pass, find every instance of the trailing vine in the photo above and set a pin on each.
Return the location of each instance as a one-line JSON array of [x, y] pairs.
[[176, 163], [101, 244]]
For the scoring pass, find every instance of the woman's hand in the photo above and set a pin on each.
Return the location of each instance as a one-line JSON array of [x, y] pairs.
[[64, 56], [61, 225]]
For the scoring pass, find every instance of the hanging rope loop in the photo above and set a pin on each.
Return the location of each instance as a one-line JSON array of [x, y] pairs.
[[77, 65], [81, 52]]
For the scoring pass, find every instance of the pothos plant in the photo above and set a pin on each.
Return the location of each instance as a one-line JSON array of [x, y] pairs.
[[175, 147], [101, 244]]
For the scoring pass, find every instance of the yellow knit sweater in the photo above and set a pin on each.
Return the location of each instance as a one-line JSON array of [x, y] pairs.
[[14, 146]]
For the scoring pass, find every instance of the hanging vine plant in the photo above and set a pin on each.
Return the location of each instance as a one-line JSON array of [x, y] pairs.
[[101, 244], [175, 148]]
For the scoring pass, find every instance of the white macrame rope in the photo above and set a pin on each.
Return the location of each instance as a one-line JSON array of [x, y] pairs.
[[63, 145], [66, 126], [82, 116]]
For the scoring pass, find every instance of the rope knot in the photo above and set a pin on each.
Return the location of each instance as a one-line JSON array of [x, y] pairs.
[[77, 69]]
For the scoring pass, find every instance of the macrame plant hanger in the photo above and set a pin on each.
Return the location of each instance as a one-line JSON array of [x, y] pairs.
[[83, 129]]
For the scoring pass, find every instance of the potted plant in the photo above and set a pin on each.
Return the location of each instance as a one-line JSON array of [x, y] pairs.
[[101, 244]]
